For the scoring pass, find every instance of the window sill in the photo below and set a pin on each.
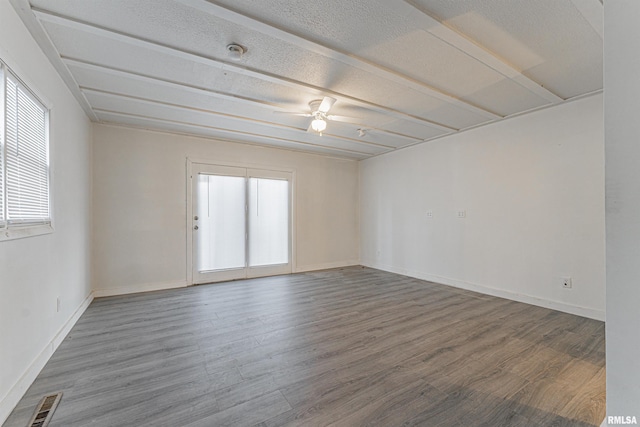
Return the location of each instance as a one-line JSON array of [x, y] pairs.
[[14, 233]]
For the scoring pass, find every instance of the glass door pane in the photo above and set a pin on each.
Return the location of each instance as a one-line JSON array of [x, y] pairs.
[[240, 224], [221, 222], [268, 222]]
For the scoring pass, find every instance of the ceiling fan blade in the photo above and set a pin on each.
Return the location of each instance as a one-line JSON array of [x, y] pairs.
[[344, 119], [326, 104], [310, 129], [291, 113]]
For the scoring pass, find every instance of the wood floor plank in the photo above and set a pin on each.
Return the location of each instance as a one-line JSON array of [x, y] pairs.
[[590, 402], [248, 413], [344, 347], [245, 391], [390, 407], [334, 404]]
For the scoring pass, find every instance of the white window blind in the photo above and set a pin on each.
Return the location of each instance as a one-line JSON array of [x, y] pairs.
[[2, 138], [26, 156]]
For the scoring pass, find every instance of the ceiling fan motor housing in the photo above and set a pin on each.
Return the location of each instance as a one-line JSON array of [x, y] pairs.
[[315, 105]]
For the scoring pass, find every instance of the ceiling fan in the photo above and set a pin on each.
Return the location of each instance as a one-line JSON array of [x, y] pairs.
[[319, 110]]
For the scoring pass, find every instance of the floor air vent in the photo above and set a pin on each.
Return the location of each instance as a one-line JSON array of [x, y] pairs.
[[44, 411]]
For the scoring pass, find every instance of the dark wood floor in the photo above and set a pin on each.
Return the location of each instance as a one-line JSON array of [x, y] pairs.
[[345, 347]]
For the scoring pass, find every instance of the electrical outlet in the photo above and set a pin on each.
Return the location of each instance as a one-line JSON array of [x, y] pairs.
[[566, 282], [461, 214], [429, 214]]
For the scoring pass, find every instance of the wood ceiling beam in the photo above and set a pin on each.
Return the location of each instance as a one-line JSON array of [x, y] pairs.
[[68, 22], [347, 58], [23, 9], [480, 53], [70, 62], [233, 132], [231, 117], [117, 72]]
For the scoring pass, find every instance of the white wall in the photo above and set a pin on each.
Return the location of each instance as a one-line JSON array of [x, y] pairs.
[[533, 191], [622, 152], [139, 203], [35, 271]]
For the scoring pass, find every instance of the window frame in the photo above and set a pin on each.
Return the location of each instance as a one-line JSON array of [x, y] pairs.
[[19, 229]]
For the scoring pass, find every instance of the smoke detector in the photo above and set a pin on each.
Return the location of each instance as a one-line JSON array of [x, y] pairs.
[[235, 51]]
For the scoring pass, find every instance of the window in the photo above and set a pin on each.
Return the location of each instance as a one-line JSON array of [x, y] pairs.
[[24, 158]]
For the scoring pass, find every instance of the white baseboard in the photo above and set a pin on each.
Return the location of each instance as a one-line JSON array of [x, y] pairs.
[[161, 286], [528, 299], [137, 288], [326, 266], [28, 377]]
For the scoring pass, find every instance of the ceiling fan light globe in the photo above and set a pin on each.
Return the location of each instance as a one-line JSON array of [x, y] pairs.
[[318, 125]]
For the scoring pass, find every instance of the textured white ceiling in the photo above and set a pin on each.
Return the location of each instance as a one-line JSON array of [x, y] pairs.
[[549, 41], [406, 71]]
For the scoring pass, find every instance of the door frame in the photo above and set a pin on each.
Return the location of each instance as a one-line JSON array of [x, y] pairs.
[[190, 166]]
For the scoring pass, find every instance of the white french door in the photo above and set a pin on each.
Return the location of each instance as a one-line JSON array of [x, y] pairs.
[[241, 223]]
